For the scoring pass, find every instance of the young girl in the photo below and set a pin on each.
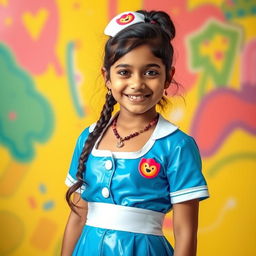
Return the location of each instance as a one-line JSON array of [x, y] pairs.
[[130, 169]]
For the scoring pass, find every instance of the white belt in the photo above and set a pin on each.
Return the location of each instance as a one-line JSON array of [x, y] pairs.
[[124, 218]]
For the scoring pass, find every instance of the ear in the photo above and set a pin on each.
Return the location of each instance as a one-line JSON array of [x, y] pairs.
[[105, 76], [172, 72]]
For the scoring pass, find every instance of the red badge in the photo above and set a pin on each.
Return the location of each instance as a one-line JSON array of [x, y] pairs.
[[125, 19], [149, 168]]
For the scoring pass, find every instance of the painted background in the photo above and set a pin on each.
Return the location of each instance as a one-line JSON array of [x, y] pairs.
[[50, 59]]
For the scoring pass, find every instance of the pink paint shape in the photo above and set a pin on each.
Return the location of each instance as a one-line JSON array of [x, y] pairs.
[[78, 78], [220, 113], [168, 224], [187, 22], [34, 55], [112, 9], [249, 64], [32, 202], [230, 2], [219, 55], [12, 115]]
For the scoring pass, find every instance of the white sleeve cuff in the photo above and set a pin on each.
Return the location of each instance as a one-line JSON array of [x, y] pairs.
[[200, 192], [71, 181]]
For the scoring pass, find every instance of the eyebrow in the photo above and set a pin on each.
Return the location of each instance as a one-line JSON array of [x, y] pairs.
[[129, 66]]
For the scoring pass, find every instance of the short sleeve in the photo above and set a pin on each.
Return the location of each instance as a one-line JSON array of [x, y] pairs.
[[185, 173], [71, 176]]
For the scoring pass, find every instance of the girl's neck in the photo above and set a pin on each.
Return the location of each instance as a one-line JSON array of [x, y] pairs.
[[130, 121]]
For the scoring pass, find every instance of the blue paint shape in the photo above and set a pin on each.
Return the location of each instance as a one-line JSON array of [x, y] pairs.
[[49, 205], [71, 78], [240, 12], [228, 15], [253, 10], [42, 188]]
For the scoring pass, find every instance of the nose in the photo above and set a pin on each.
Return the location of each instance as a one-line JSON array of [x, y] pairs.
[[137, 82]]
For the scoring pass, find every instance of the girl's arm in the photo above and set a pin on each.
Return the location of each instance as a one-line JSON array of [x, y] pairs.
[[74, 226], [185, 223]]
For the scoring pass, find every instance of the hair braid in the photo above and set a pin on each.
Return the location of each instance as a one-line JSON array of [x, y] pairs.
[[93, 136]]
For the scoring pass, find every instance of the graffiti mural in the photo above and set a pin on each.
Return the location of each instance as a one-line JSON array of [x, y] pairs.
[[51, 88]]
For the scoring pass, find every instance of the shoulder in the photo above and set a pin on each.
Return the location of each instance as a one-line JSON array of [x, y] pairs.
[[179, 137], [169, 131], [169, 135], [83, 136]]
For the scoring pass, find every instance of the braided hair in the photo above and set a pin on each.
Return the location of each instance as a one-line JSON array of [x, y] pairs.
[[157, 32], [93, 136]]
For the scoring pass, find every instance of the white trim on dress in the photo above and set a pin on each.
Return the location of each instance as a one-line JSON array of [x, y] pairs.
[[125, 218], [71, 181], [163, 128], [189, 194]]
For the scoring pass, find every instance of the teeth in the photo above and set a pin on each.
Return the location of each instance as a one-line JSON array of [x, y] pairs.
[[133, 97]]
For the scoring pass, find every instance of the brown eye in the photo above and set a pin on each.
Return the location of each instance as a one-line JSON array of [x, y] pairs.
[[123, 72], [151, 73]]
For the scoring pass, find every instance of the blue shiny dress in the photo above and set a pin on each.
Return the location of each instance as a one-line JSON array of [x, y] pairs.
[[123, 178]]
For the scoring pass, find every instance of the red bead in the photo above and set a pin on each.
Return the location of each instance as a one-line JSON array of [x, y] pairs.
[[132, 135]]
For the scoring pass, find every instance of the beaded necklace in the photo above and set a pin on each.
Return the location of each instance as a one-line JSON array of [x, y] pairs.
[[121, 140]]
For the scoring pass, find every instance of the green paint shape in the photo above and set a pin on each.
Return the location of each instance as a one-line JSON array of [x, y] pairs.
[[26, 116], [230, 159], [239, 8], [205, 62]]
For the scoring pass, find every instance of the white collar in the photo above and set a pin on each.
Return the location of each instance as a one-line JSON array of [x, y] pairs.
[[163, 127]]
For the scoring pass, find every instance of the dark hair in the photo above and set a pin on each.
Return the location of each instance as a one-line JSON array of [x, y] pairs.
[[157, 32]]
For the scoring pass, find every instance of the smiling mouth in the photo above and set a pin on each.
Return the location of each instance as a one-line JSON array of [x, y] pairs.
[[137, 98]]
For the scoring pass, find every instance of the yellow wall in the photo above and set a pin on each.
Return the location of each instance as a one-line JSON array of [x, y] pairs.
[[50, 89]]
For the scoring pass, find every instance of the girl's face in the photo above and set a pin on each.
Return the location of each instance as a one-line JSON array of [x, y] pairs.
[[137, 81]]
